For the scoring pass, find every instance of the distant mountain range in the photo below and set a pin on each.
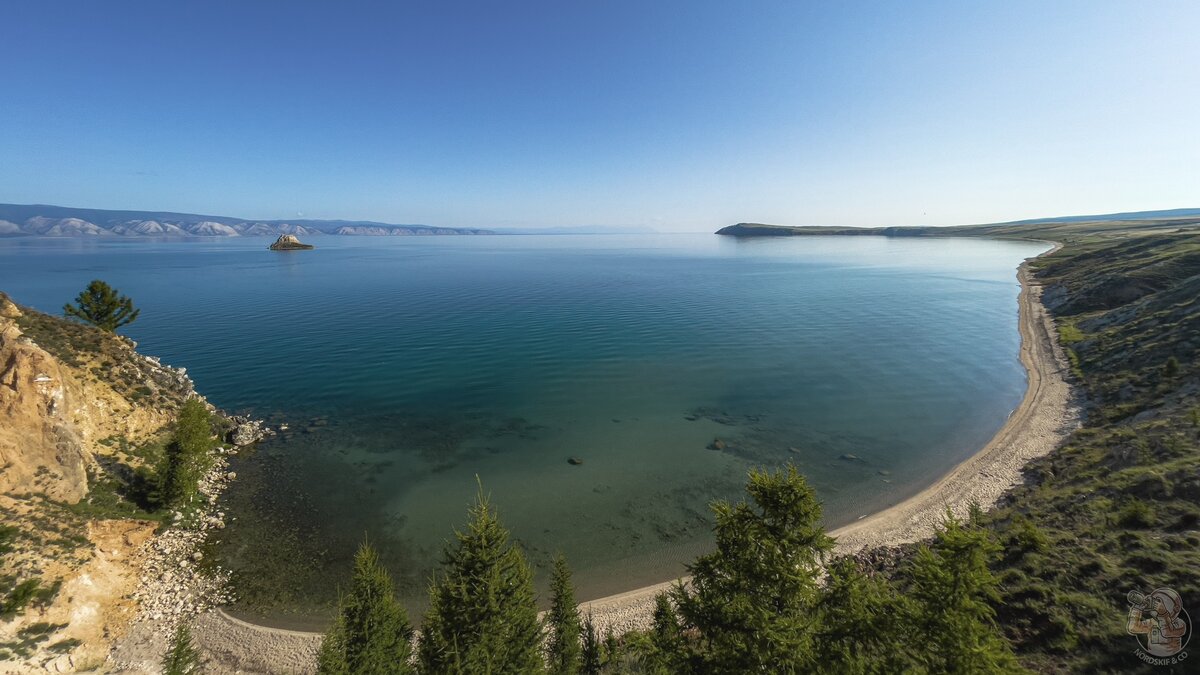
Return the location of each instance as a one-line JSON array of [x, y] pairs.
[[61, 221]]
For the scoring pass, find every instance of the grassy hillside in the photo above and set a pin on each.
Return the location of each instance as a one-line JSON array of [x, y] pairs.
[[1117, 509], [1067, 230]]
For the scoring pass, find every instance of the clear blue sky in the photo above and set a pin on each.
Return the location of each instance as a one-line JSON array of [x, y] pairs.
[[677, 115]]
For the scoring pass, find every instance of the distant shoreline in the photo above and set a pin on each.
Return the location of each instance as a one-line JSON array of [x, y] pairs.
[[1043, 419]]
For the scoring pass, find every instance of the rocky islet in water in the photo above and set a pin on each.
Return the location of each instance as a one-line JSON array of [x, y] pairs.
[[289, 242]]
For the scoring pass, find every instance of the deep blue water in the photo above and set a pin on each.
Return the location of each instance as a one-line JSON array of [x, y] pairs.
[[406, 367]]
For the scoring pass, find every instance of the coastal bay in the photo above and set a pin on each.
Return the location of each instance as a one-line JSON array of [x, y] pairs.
[[1048, 412], [404, 371]]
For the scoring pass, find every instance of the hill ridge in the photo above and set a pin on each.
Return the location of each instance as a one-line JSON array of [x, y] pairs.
[[48, 220]]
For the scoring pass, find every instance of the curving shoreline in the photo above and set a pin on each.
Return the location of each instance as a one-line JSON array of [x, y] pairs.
[[1046, 415]]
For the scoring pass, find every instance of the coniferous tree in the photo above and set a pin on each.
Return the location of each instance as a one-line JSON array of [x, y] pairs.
[[612, 649], [667, 647], [371, 634], [187, 456], [100, 305], [331, 657], [751, 601], [565, 651], [482, 614], [591, 647], [863, 625], [182, 657], [975, 514], [954, 591]]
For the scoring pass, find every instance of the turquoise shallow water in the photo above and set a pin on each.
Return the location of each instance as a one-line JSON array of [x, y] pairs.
[[407, 367]]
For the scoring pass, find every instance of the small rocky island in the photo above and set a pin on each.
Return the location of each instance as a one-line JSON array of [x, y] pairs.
[[289, 242]]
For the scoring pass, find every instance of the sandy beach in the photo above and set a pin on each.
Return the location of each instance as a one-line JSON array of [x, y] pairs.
[[1045, 416]]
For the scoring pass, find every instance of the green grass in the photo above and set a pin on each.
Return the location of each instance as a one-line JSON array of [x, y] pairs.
[[110, 357], [1118, 507], [109, 497], [1069, 333]]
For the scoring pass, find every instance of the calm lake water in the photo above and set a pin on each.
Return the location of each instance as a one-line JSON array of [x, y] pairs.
[[407, 367]]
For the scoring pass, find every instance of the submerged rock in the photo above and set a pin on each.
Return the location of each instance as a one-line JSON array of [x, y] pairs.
[[289, 242], [717, 444]]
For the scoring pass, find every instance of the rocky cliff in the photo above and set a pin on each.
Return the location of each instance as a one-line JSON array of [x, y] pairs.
[[39, 446], [65, 391], [76, 404]]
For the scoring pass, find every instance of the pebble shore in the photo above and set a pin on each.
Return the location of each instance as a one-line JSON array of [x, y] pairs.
[[176, 583]]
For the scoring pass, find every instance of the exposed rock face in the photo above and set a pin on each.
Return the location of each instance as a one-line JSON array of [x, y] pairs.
[[289, 242], [55, 413], [40, 448]]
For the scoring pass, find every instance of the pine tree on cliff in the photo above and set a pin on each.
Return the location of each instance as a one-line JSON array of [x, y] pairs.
[[371, 634], [955, 591], [565, 651], [482, 614], [100, 305], [182, 657], [751, 601]]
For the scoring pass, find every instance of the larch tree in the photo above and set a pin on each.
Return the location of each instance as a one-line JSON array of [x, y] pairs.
[[564, 651], [482, 614], [751, 602], [666, 651], [187, 455], [955, 590], [371, 634], [863, 624], [591, 648]]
